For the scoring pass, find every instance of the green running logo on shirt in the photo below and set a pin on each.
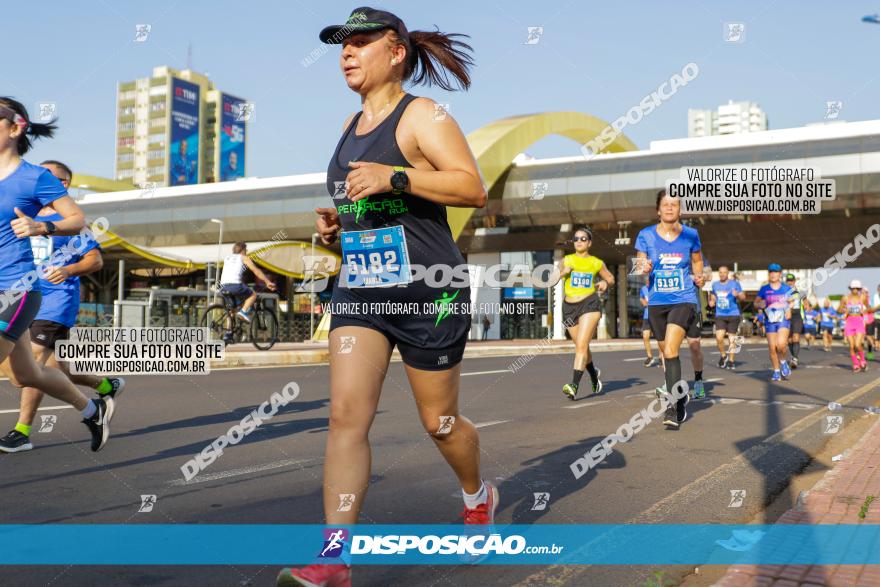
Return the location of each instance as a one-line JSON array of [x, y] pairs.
[[361, 207], [444, 302]]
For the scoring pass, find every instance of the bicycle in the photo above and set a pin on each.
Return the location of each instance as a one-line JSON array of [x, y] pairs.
[[226, 325]]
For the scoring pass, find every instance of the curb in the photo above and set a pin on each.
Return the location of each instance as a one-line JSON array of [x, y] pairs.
[[322, 356]]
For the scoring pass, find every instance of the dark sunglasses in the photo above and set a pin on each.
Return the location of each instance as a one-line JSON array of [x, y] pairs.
[[583, 239]]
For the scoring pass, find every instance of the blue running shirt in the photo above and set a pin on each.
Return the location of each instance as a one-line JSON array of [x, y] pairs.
[[726, 303], [829, 315], [60, 301], [670, 281], [28, 188], [645, 295], [778, 301]]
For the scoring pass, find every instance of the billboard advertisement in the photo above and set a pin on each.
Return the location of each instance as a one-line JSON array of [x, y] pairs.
[[232, 137], [184, 159]]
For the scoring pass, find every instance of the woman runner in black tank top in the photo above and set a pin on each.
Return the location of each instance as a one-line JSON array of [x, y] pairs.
[[399, 163]]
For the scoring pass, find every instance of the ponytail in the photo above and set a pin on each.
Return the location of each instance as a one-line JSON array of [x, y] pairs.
[[32, 129], [436, 56]]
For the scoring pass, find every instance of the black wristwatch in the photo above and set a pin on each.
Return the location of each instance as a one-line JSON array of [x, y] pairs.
[[50, 227], [399, 180]]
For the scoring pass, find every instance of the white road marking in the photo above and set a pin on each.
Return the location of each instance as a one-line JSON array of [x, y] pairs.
[[585, 404], [635, 359], [237, 472], [15, 411], [714, 379], [560, 573], [486, 372], [490, 423]]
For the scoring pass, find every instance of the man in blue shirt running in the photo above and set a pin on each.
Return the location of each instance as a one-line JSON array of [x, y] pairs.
[[827, 317], [725, 297]]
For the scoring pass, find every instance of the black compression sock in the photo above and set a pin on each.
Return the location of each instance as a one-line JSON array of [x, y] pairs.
[[698, 375], [594, 376], [576, 377], [673, 373], [795, 349]]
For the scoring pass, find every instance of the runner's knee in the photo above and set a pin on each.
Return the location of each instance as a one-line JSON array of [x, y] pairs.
[[348, 418]]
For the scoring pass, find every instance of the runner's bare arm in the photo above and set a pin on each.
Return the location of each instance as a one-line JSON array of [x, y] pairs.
[[92, 261], [258, 272], [453, 181], [607, 277], [697, 268], [72, 222]]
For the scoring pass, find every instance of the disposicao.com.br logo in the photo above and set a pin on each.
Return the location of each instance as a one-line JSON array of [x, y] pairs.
[[448, 544]]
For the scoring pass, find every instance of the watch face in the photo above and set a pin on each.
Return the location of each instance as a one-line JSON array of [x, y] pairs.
[[399, 180]]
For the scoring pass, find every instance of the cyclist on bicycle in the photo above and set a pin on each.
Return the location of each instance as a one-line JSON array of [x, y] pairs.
[[231, 284]]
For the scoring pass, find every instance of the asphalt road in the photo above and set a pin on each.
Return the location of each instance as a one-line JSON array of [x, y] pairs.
[[748, 435]]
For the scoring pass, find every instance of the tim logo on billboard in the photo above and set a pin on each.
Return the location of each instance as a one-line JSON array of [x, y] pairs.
[[334, 541], [186, 95]]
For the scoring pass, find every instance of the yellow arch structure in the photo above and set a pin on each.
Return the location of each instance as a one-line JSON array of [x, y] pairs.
[[496, 144], [100, 184]]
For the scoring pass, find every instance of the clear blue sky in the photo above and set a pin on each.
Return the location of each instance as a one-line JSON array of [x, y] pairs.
[[596, 57]]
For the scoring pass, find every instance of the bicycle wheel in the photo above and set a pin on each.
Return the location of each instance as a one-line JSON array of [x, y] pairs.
[[215, 320], [264, 329]]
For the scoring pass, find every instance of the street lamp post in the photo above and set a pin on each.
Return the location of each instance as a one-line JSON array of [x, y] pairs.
[[217, 267]]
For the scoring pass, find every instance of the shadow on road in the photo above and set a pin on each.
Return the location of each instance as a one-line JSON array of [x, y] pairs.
[[550, 473]]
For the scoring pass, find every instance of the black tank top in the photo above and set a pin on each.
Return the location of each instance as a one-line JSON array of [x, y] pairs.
[[428, 237]]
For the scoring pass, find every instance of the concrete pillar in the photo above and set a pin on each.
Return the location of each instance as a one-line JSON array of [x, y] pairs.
[[484, 298], [622, 309], [558, 298], [120, 282]]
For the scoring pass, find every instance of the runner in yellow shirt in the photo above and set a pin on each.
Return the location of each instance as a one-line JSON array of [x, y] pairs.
[[582, 307]]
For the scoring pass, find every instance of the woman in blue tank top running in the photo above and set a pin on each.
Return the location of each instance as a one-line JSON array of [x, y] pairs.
[[401, 160]]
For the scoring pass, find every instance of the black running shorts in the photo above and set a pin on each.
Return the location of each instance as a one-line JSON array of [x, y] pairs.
[[729, 324], [571, 313], [427, 359], [683, 315], [797, 323], [46, 333]]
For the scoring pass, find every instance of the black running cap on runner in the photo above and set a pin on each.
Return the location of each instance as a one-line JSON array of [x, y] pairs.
[[364, 19]]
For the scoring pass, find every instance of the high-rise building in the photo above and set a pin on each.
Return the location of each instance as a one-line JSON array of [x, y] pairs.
[[175, 128], [730, 118]]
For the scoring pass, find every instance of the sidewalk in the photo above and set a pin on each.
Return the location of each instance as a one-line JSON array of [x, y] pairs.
[[315, 353], [836, 499]]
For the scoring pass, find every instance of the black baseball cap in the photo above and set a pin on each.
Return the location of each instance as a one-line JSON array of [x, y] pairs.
[[364, 19]]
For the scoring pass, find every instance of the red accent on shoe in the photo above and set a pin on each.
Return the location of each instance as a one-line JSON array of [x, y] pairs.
[[320, 575], [485, 512]]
